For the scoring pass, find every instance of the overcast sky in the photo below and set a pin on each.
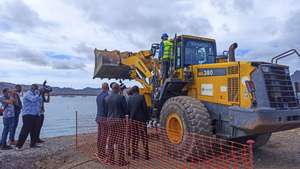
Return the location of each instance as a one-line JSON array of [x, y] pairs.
[[55, 39]]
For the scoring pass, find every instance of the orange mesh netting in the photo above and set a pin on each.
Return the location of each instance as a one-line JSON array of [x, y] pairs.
[[124, 143]]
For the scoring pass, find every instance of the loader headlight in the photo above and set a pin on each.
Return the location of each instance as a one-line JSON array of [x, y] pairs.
[[186, 69], [266, 69]]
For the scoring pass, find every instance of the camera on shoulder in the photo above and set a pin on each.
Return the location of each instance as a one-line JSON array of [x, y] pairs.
[[46, 88]]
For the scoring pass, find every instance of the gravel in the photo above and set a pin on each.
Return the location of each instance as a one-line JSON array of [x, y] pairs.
[[27, 158], [281, 152]]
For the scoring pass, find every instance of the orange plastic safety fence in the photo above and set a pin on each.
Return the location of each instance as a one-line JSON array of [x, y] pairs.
[[120, 143]]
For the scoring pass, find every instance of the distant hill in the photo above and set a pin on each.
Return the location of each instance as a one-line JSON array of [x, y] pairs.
[[296, 76], [58, 91]]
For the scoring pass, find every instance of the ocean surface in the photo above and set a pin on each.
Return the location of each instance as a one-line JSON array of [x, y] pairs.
[[60, 116]]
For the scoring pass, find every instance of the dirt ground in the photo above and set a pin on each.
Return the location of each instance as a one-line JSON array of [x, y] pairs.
[[281, 152]]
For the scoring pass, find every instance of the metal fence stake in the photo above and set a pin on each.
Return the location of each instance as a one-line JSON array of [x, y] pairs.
[[76, 130], [251, 143]]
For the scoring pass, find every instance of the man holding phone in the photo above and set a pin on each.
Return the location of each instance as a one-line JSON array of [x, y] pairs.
[[7, 101]]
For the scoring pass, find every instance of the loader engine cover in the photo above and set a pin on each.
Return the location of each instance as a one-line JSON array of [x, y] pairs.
[[108, 65]]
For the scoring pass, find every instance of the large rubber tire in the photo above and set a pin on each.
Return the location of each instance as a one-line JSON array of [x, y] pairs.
[[261, 140], [195, 120]]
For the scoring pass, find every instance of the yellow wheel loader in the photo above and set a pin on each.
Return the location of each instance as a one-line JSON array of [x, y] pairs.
[[208, 94]]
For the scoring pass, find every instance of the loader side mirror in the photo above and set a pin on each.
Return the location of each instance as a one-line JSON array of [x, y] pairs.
[[154, 48], [221, 58]]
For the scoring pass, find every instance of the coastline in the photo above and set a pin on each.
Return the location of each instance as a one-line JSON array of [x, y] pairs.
[[30, 158]]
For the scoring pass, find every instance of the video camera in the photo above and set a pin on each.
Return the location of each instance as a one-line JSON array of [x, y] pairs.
[[46, 88]]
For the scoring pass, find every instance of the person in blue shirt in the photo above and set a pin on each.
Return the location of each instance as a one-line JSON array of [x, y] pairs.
[[31, 108], [7, 102], [101, 121]]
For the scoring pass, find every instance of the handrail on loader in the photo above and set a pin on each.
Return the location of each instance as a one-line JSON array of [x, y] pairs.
[[285, 54]]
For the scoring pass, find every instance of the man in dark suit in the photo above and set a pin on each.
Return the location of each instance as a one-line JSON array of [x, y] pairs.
[[116, 111], [101, 120], [139, 116]]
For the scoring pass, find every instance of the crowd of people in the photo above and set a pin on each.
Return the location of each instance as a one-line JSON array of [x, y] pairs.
[[115, 109], [31, 106]]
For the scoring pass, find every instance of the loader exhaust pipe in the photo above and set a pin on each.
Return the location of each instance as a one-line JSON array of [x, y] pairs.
[[231, 52]]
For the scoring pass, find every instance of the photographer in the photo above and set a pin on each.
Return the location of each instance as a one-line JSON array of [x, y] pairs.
[[45, 93], [7, 101], [31, 109]]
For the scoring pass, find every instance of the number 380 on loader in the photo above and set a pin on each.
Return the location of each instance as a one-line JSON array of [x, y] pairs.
[[208, 94]]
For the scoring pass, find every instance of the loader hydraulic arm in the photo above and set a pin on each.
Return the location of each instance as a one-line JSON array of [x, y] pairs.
[[141, 66], [139, 61]]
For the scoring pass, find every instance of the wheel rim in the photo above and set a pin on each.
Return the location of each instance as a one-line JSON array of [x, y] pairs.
[[174, 128]]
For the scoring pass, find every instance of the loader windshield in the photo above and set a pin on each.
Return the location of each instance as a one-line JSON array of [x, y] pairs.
[[198, 52]]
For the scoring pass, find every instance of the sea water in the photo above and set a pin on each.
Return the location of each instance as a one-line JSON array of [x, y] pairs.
[[60, 116]]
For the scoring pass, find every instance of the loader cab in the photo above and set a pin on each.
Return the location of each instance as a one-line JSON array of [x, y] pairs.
[[192, 50]]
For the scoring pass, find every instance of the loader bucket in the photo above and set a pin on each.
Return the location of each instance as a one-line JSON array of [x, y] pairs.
[[108, 65]]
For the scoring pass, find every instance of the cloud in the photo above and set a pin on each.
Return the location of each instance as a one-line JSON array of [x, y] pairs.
[[17, 16], [33, 57], [143, 22], [83, 49], [228, 6], [243, 5], [54, 55], [280, 36], [67, 64], [20, 53], [40, 58], [290, 33], [24, 73], [39, 38]]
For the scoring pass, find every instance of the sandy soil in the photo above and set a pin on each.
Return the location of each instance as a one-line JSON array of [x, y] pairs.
[[281, 152]]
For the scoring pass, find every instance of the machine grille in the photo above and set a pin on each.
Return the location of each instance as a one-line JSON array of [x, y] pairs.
[[279, 88], [233, 89], [233, 70]]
